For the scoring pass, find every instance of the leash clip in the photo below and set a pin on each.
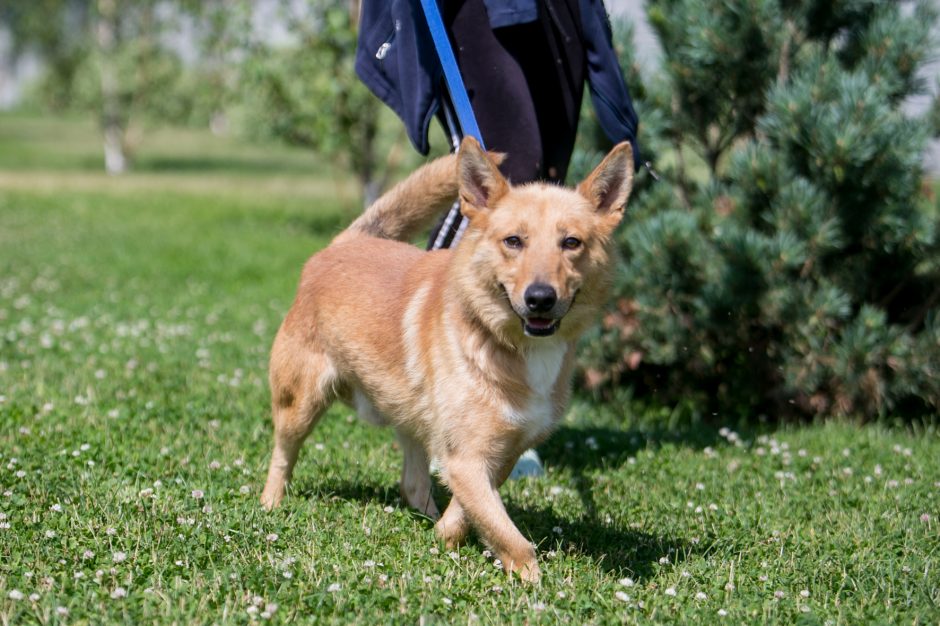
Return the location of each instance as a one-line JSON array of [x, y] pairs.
[[653, 173]]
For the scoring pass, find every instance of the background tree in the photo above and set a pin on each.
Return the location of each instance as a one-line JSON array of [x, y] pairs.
[[56, 31], [305, 92], [789, 261], [118, 59]]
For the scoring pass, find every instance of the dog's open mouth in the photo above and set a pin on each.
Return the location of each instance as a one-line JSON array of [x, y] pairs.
[[539, 326]]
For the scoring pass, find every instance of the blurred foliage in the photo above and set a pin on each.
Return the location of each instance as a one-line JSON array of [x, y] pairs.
[[125, 61], [307, 94], [788, 263]]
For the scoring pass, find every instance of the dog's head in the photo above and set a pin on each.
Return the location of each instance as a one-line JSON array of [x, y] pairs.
[[540, 256]]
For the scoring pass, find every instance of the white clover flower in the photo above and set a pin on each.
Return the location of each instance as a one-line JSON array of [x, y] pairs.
[[61, 611], [780, 594], [118, 593], [804, 593], [110, 531], [626, 582], [334, 587], [198, 494], [272, 537], [15, 594], [388, 509], [670, 591], [701, 596], [119, 557], [34, 597], [620, 595], [244, 490], [722, 612]]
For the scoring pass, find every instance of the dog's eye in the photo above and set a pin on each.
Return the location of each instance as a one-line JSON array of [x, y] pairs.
[[571, 243], [513, 242]]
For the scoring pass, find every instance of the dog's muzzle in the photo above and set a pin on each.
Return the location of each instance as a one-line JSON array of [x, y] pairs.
[[540, 300]]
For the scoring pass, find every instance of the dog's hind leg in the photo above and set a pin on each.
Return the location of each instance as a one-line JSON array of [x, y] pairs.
[[303, 385], [415, 476]]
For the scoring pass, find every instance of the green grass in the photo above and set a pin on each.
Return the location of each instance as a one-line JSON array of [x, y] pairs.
[[135, 319]]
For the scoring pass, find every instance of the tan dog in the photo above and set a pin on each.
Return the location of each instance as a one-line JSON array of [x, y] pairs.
[[466, 352]]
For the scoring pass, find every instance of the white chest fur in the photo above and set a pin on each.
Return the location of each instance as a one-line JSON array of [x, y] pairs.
[[543, 364]]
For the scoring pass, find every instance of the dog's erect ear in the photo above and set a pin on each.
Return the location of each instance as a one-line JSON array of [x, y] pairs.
[[478, 178], [609, 185]]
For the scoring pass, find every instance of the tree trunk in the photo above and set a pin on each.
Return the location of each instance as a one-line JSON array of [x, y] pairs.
[[112, 118]]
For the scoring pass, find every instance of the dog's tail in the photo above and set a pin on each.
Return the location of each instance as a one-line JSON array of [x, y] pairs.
[[411, 205]]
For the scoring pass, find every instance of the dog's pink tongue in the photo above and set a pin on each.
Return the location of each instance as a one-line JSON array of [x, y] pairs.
[[540, 322]]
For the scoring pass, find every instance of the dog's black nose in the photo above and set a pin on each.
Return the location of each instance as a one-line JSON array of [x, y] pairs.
[[540, 297]]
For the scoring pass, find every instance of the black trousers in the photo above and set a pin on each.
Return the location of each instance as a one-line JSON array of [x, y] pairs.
[[525, 84]]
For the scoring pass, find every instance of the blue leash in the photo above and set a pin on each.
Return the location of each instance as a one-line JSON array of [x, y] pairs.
[[455, 86]]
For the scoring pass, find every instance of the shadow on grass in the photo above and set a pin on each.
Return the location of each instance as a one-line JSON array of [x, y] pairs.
[[580, 448], [615, 549], [362, 490]]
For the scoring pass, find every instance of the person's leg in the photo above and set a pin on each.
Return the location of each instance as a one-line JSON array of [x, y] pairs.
[[551, 56], [498, 88]]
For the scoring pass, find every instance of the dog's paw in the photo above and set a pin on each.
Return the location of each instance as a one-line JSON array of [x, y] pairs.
[[271, 499], [529, 572]]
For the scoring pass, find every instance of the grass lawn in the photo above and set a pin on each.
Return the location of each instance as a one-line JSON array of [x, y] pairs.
[[135, 319]]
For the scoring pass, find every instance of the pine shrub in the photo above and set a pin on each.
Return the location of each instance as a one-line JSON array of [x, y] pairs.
[[788, 261]]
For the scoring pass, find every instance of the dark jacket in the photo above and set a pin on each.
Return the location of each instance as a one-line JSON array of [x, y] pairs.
[[396, 59]]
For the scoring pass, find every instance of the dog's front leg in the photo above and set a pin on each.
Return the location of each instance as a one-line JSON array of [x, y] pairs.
[[453, 527], [475, 492]]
